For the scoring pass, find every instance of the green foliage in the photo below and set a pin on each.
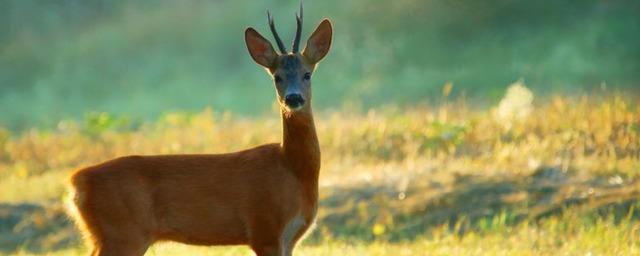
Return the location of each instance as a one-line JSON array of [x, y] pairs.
[[96, 123], [143, 58]]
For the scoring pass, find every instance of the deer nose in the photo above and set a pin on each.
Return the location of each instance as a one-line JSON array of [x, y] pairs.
[[294, 100]]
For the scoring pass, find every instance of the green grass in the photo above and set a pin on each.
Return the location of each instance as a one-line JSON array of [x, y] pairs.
[[521, 178]]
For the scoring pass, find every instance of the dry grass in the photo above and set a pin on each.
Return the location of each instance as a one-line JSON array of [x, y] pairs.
[[560, 175]]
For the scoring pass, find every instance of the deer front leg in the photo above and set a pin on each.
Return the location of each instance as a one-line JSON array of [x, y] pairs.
[[265, 237], [120, 248], [264, 244], [293, 230], [268, 250]]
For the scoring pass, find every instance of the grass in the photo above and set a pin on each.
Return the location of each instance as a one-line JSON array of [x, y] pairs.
[[521, 178], [549, 237]]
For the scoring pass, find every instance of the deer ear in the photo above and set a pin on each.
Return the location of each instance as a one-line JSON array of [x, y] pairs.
[[319, 42], [259, 48]]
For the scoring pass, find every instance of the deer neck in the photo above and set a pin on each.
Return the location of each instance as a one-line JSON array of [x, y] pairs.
[[300, 145]]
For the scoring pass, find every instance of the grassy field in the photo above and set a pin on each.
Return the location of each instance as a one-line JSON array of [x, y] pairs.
[[558, 175], [423, 150]]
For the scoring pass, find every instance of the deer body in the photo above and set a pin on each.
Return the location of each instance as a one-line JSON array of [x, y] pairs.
[[265, 197]]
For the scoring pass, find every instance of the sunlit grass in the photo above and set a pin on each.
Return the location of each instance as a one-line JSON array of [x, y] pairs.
[[565, 235], [560, 176]]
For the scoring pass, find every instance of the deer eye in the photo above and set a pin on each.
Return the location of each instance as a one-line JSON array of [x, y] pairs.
[[307, 76], [277, 78]]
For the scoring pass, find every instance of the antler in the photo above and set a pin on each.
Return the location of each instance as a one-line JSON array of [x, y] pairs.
[[296, 41], [275, 34]]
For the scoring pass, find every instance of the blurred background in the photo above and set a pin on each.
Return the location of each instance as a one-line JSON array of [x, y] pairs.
[[62, 59], [502, 127]]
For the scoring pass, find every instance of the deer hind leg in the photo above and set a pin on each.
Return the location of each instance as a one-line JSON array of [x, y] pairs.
[[114, 234], [121, 240], [120, 248]]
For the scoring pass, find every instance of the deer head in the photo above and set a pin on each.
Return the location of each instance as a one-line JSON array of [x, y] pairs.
[[291, 71]]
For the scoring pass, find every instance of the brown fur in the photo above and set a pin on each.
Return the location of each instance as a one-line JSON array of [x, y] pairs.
[[126, 204]]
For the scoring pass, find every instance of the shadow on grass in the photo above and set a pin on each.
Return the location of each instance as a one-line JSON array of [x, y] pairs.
[[34, 228], [374, 211]]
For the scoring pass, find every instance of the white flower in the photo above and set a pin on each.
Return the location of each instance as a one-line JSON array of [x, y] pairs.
[[516, 104]]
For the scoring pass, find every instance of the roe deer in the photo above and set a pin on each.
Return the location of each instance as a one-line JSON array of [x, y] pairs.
[[265, 197]]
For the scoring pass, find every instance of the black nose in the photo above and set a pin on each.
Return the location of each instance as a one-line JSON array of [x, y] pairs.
[[294, 100]]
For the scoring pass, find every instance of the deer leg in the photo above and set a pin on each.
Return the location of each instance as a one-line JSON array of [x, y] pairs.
[[265, 241], [119, 247], [268, 250], [288, 246], [121, 241]]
